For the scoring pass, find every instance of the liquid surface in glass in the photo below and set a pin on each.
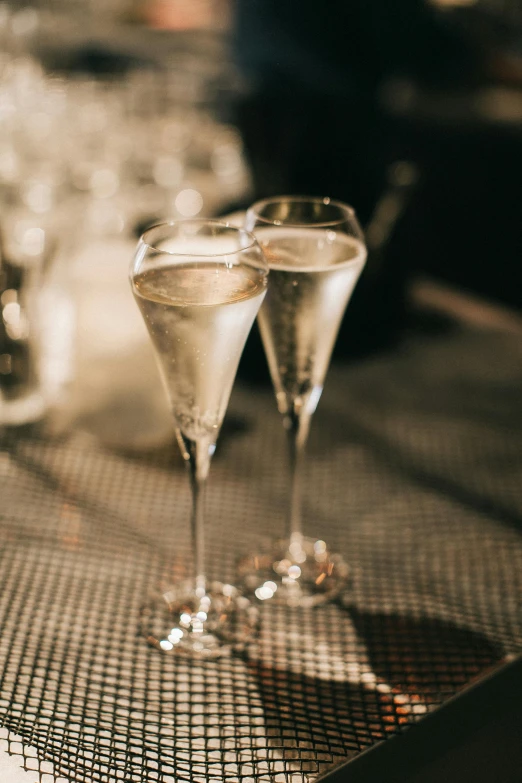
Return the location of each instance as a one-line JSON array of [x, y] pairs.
[[199, 316], [312, 275]]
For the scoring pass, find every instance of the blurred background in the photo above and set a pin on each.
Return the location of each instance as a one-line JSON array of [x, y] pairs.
[[114, 113]]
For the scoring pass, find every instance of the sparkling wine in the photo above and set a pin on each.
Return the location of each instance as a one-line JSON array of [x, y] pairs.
[[312, 275], [199, 316]]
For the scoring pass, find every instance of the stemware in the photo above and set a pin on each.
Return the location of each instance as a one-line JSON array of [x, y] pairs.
[[316, 252], [199, 285]]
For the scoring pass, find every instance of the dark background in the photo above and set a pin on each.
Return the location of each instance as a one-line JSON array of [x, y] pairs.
[[338, 93]]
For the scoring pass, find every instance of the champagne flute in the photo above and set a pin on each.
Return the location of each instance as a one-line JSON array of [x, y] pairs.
[[199, 285], [316, 252]]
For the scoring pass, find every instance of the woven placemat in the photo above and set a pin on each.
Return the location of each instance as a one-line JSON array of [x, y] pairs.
[[414, 474]]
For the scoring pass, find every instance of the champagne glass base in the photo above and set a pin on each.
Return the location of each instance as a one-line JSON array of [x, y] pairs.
[[201, 623], [298, 571]]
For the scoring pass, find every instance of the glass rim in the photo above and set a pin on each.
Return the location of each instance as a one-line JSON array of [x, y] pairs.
[[324, 200], [200, 221]]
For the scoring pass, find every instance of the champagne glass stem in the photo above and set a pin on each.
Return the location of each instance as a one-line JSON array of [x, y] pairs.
[[297, 426], [197, 454], [198, 529]]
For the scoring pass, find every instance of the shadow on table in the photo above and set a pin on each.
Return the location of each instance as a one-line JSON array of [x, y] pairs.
[[408, 667]]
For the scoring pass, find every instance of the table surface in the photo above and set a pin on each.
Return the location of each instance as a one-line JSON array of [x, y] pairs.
[[414, 474]]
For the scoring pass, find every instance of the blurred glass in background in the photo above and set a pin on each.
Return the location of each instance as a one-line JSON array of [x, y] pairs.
[[112, 115]]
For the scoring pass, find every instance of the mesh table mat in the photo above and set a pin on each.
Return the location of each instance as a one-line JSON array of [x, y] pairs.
[[414, 474]]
